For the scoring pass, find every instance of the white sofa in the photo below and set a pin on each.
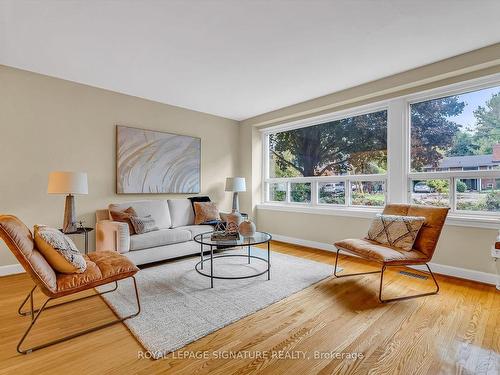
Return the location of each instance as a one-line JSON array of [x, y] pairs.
[[173, 217]]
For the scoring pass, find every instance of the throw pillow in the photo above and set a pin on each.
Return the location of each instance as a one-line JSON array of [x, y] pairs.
[[59, 250], [201, 198], [396, 231], [124, 217], [205, 212], [143, 224]]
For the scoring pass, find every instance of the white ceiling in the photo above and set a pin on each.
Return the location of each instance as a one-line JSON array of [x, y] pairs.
[[238, 58]]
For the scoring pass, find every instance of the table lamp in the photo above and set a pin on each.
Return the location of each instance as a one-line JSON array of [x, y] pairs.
[[235, 184], [68, 183]]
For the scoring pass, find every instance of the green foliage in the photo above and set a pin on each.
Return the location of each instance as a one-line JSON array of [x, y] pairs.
[[357, 144], [432, 131], [493, 201], [487, 202], [463, 144], [277, 194], [461, 186], [301, 192], [367, 199], [488, 120], [439, 186]]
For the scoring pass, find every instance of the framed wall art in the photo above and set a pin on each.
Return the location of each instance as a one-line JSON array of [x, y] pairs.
[[154, 162]]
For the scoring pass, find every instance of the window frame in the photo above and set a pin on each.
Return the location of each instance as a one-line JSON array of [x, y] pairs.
[[437, 93], [358, 111], [397, 180]]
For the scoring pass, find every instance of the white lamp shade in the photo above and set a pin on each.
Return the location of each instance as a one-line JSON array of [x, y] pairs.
[[67, 183], [235, 184]]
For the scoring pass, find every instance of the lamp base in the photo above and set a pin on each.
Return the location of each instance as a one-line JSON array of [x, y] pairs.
[[236, 203], [69, 222]]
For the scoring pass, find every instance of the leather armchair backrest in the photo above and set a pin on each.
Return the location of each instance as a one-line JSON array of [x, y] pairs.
[[428, 235], [20, 241]]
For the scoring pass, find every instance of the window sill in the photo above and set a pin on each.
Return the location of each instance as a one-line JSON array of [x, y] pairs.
[[370, 212]]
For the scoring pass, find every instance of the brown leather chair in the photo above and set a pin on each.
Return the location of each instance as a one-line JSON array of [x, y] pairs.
[[422, 251], [102, 268]]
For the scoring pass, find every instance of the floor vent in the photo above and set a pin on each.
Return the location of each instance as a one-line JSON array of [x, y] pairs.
[[415, 275]]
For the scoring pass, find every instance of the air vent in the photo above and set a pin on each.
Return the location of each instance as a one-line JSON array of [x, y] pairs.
[[415, 275]]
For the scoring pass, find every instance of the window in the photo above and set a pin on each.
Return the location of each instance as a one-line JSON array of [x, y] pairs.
[[481, 194], [354, 145], [277, 192], [435, 192], [300, 192], [443, 150], [368, 193], [457, 137], [331, 193], [318, 162]]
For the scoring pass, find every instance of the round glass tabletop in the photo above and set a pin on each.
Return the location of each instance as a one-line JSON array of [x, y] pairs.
[[257, 238]]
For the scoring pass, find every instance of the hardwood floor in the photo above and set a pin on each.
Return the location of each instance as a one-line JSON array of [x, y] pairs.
[[456, 331]]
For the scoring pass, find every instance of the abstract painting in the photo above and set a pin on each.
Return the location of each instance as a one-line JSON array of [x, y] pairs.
[[153, 162]]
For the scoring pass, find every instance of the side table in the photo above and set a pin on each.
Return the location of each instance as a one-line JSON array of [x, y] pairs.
[[85, 231]]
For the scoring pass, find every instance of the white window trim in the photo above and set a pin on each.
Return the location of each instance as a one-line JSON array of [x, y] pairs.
[[399, 176]]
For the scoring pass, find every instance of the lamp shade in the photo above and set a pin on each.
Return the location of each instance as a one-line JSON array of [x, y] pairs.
[[67, 183], [235, 184]]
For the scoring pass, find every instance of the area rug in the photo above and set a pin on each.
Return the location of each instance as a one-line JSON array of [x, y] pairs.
[[179, 307]]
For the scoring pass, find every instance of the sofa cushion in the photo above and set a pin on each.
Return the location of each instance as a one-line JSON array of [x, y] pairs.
[[197, 229], [158, 238], [158, 209], [198, 198], [124, 217], [205, 212], [181, 212], [143, 224]]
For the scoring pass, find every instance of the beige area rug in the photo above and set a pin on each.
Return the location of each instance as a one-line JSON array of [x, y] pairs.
[[178, 306]]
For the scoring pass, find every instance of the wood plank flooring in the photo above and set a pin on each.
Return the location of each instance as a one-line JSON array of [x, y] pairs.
[[454, 332]]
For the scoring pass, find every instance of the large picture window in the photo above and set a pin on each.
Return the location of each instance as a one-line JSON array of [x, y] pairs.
[[353, 145], [438, 148], [324, 164], [457, 137]]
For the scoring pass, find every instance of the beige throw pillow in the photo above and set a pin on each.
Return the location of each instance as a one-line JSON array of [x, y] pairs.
[[204, 212], [143, 224], [59, 250], [396, 231]]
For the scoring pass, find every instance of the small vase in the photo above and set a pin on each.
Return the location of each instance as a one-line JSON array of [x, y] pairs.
[[247, 228]]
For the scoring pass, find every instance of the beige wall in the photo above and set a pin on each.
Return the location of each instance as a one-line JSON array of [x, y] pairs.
[[50, 124], [462, 247]]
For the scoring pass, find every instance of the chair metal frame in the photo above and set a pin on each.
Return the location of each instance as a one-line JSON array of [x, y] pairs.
[[384, 267], [35, 314]]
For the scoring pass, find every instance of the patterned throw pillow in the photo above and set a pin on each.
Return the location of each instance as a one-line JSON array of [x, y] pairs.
[[59, 250], [205, 212], [396, 231], [124, 217], [143, 224]]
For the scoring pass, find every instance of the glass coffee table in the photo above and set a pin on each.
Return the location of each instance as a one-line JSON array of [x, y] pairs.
[[204, 239]]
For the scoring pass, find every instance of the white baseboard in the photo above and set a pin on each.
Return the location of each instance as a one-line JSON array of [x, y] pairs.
[[11, 269], [307, 243], [462, 273]]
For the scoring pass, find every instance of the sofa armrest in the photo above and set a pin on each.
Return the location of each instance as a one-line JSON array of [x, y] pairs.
[[112, 235]]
